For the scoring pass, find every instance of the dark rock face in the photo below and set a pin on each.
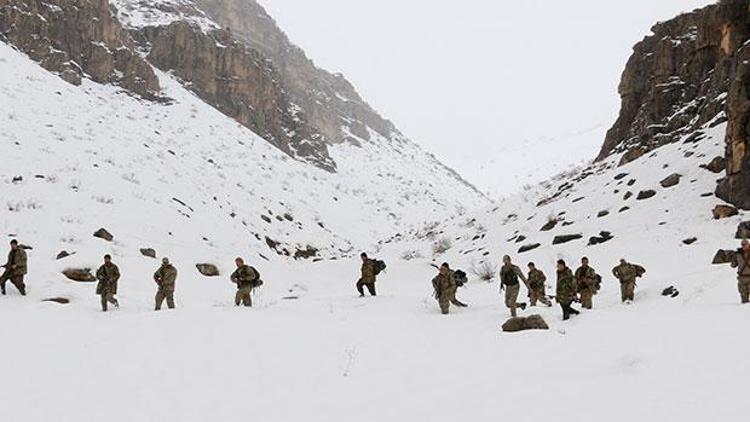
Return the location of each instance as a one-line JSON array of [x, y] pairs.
[[549, 225], [690, 240], [240, 83], [209, 270], [602, 238], [533, 322], [717, 165], [674, 81], [60, 300], [63, 254], [76, 39]]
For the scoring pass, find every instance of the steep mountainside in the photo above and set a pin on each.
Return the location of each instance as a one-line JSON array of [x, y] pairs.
[[689, 74]]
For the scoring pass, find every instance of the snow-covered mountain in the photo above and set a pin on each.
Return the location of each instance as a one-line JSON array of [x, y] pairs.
[[166, 152]]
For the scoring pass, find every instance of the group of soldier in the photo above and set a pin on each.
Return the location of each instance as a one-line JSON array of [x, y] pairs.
[[571, 287], [579, 286]]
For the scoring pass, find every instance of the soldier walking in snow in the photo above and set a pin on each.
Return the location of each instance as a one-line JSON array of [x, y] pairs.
[[108, 275], [15, 268], [537, 288], [566, 290], [445, 289], [509, 276], [627, 273], [165, 277], [246, 278], [368, 276], [586, 283], [741, 261]]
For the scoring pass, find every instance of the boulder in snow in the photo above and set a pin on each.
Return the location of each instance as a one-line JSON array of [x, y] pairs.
[[646, 194], [723, 256], [104, 234], [565, 238], [63, 254], [209, 270], [717, 165], [526, 248], [149, 252], [82, 275], [533, 322], [671, 180], [60, 300], [743, 230], [724, 211]]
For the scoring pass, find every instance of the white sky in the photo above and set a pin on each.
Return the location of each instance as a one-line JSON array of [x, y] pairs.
[[505, 92]]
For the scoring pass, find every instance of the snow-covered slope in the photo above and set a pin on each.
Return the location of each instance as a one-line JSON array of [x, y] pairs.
[[604, 198], [180, 172]]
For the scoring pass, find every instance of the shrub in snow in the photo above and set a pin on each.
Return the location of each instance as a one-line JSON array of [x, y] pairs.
[[485, 270], [441, 246]]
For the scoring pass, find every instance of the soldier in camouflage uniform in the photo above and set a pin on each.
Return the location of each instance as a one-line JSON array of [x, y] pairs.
[[108, 275], [246, 278], [15, 268], [368, 277], [566, 290], [509, 276], [586, 283], [627, 273], [537, 288], [445, 288], [165, 277], [741, 261]]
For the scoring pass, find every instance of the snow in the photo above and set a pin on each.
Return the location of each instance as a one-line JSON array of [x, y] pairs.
[[142, 13], [310, 349]]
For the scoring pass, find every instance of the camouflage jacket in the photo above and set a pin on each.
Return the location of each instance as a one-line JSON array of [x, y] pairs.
[[443, 282], [368, 271], [244, 276], [537, 279], [16, 265], [566, 286], [108, 276], [165, 277], [627, 272], [742, 263], [509, 275], [585, 278]]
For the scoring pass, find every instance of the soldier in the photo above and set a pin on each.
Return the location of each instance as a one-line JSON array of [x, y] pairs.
[[246, 278], [445, 289], [741, 261], [586, 283], [108, 275], [165, 277], [566, 290], [15, 268], [537, 289], [509, 275], [368, 276], [627, 273]]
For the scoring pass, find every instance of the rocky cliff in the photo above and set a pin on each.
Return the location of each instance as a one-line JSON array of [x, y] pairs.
[[688, 75], [75, 38]]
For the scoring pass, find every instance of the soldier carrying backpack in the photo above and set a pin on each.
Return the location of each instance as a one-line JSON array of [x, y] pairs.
[[246, 278], [369, 272]]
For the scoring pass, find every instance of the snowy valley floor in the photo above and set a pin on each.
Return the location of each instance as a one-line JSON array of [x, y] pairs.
[[331, 356]]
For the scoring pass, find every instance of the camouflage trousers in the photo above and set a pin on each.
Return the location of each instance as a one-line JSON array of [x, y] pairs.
[[511, 298], [108, 297], [15, 280], [446, 298], [587, 298], [743, 286], [164, 294], [627, 290], [538, 294], [361, 284], [244, 296]]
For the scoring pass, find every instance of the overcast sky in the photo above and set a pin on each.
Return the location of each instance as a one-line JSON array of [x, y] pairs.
[[505, 92]]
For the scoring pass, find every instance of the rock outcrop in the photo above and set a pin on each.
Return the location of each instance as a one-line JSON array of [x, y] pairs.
[[240, 82], [77, 39], [677, 79]]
